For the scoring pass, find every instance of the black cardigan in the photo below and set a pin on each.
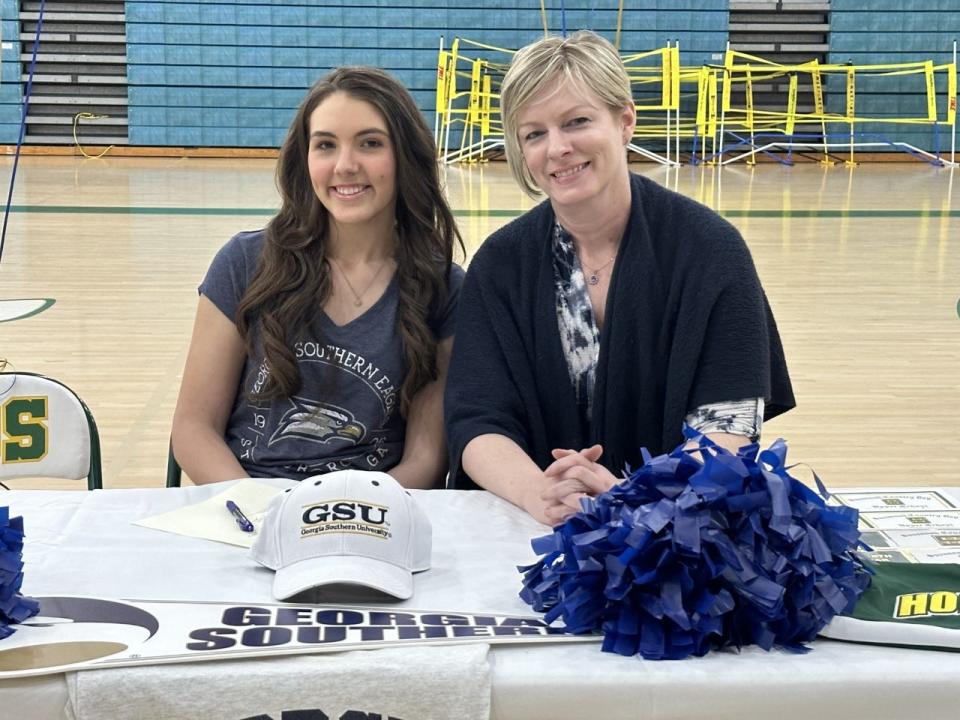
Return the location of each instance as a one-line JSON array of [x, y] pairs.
[[687, 323]]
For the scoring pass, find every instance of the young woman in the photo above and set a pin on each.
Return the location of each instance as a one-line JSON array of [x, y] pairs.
[[322, 341], [603, 319]]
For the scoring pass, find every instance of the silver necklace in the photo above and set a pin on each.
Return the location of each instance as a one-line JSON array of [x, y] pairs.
[[594, 277], [358, 296]]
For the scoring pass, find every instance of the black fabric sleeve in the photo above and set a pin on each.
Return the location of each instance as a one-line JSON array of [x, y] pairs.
[[740, 354], [482, 396], [734, 361]]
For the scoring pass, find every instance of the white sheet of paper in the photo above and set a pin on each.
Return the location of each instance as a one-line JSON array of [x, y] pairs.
[[894, 500], [211, 520]]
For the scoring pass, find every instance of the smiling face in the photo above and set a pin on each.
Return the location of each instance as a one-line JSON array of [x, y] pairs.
[[351, 163], [573, 145]]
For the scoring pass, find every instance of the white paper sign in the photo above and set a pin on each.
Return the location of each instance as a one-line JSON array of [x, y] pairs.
[[74, 633]]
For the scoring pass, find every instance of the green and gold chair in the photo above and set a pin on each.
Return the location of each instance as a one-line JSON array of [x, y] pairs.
[[46, 431]]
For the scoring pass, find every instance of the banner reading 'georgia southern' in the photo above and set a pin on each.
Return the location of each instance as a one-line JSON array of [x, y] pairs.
[[73, 633]]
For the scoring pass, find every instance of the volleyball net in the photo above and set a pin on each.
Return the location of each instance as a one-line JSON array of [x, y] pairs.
[[712, 113]]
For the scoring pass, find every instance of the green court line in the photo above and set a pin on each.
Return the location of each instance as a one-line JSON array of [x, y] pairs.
[[841, 213], [47, 303], [124, 210], [267, 212]]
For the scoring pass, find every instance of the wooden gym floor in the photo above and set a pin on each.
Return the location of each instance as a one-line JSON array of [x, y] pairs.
[[861, 266]]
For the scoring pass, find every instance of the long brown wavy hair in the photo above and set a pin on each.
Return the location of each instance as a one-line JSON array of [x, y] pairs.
[[292, 279]]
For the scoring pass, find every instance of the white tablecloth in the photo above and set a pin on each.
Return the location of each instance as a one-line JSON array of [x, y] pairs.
[[83, 543]]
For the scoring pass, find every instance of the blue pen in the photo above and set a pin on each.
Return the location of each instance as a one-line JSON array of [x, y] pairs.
[[238, 515]]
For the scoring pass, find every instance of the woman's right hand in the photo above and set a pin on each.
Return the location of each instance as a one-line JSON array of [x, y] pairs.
[[573, 476], [545, 511]]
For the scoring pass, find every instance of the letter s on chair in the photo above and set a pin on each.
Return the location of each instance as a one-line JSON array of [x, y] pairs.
[[46, 431]]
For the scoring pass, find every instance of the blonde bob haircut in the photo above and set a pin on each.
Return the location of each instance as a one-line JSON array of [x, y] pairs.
[[584, 59]]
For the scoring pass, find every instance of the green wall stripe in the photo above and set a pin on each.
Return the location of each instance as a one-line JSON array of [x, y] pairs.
[[267, 212]]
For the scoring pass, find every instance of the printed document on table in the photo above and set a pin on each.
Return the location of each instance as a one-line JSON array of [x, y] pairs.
[[915, 525], [210, 518]]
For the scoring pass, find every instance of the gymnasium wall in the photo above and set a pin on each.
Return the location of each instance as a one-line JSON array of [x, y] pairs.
[[11, 91], [890, 32], [232, 73]]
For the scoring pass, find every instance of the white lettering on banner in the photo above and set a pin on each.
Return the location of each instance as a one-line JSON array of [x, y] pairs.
[[188, 632]]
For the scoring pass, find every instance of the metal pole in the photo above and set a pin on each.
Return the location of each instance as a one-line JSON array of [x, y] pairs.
[[723, 104], [669, 113], [24, 111], [616, 37], [436, 111], [451, 89], [953, 130], [677, 135]]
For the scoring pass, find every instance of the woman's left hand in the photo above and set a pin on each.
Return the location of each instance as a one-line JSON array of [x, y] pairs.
[[575, 474]]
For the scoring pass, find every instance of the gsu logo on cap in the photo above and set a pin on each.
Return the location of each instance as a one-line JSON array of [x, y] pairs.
[[356, 517], [345, 510]]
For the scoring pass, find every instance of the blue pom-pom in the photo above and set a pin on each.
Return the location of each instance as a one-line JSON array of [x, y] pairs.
[[14, 607], [685, 556]]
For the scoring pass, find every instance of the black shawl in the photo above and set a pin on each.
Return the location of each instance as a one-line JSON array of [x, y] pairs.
[[687, 323]]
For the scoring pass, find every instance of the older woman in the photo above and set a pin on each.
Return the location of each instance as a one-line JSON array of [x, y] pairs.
[[600, 321]]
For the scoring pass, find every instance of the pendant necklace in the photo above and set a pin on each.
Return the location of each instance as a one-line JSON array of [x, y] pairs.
[[358, 296], [593, 278]]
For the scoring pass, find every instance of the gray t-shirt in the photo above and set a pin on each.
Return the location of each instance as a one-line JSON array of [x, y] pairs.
[[347, 412]]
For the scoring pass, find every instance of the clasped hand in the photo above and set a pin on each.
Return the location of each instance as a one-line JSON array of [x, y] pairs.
[[573, 475]]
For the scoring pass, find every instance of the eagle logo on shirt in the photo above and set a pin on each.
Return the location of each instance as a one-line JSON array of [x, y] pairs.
[[319, 422]]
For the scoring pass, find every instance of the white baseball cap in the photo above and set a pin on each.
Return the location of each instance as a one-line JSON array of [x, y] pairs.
[[350, 526]]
